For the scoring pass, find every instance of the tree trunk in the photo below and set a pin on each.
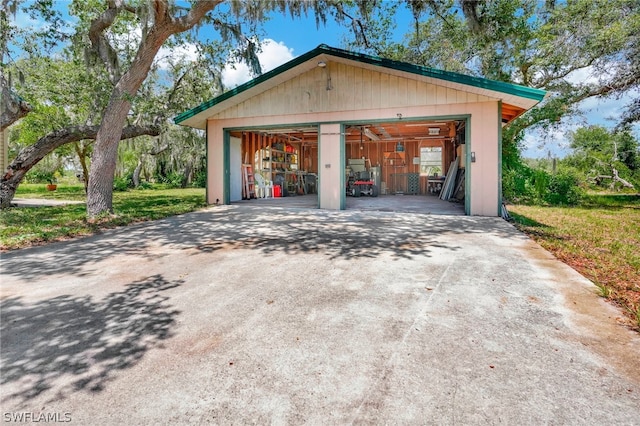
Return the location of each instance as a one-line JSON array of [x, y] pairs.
[[31, 155], [81, 151], [617, 178], [136, 172], [105, 155], [187, 174]]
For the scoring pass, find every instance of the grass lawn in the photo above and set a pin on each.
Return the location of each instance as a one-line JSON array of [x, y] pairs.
[[600, 239], [26, 226]]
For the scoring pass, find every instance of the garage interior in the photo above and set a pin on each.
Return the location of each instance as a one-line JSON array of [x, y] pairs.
[[409, 158]]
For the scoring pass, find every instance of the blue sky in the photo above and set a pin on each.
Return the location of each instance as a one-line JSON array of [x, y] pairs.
[[287, 38]]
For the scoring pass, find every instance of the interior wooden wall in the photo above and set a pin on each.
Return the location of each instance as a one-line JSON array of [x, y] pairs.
[[384, 154], [378, 153], [253, 142]]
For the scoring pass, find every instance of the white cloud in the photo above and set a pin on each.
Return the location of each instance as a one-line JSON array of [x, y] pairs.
[[186, 52], [273, 54], [607, 111], [582, 76], [540, 143]]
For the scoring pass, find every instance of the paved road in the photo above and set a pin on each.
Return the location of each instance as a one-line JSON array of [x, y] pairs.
[[254, 315]]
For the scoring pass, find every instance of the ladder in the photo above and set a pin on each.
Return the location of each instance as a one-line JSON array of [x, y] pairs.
[[301, 183], [248, 183]]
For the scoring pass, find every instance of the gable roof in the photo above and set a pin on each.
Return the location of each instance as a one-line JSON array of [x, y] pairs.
[[521, 97]]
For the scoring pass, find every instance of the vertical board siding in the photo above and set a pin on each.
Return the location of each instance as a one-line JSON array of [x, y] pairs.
[[412, 92], [367, 88], [431, 98], [441, 95]]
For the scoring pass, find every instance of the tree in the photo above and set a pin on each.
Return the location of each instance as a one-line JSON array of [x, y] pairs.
[[159, 21], [30, 156], [13, 107], [534, 43], [605, 158], [65, 99], [124, 38]]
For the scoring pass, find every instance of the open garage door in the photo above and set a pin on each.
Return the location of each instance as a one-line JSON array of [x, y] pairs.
[[395, 165], [406, 166], [279, 165]]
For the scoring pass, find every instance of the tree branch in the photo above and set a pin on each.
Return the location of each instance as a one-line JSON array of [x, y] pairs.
[[13, 107], [31, 155], [101, 45], [196, 13]]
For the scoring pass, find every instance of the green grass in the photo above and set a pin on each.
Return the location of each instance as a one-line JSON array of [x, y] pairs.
[[73, 192], [600, 239], [26, 226]]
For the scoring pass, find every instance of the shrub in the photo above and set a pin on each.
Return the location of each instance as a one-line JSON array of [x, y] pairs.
[[200, 179], [524, 185], [39, 176], [564, 188], [527, 185], [144, 185], [122, 183], [172, 180]]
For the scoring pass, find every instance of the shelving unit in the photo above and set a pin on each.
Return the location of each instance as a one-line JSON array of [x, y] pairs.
[[278, 163]]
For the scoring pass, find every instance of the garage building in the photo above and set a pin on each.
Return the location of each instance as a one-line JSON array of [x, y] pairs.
[[330, 118]]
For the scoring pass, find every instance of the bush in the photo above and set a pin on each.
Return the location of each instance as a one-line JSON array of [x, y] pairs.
[[526, 185], [39, 176], [122, 183], [172, 180], [145, 185], [564, 188], [522, 185], [200, 179]]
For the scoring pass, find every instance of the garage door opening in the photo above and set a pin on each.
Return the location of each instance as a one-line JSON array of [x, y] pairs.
[[413, 166], [389, 166], [275, 166]]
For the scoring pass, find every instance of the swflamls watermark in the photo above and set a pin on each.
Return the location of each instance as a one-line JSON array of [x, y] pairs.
[[30, 417]]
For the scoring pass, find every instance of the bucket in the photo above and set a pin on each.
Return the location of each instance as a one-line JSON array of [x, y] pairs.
[[276, 191]]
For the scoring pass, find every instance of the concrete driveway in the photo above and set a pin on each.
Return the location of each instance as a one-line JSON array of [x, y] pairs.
[[243, 314]]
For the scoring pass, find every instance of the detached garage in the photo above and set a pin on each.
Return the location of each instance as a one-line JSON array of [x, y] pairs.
[[333, 123]]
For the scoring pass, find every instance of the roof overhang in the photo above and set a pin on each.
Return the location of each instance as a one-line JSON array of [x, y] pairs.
[[515, 99]]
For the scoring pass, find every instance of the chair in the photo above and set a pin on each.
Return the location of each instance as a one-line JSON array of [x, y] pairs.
[[263, 189]]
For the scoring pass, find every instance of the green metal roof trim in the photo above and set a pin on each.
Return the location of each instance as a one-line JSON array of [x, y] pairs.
[[483, 83]]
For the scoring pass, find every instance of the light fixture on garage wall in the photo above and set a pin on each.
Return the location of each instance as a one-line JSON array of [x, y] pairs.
[[399, 147], [323, 65]]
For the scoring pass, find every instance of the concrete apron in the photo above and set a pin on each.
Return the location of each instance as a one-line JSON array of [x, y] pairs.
[[244, 314]]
